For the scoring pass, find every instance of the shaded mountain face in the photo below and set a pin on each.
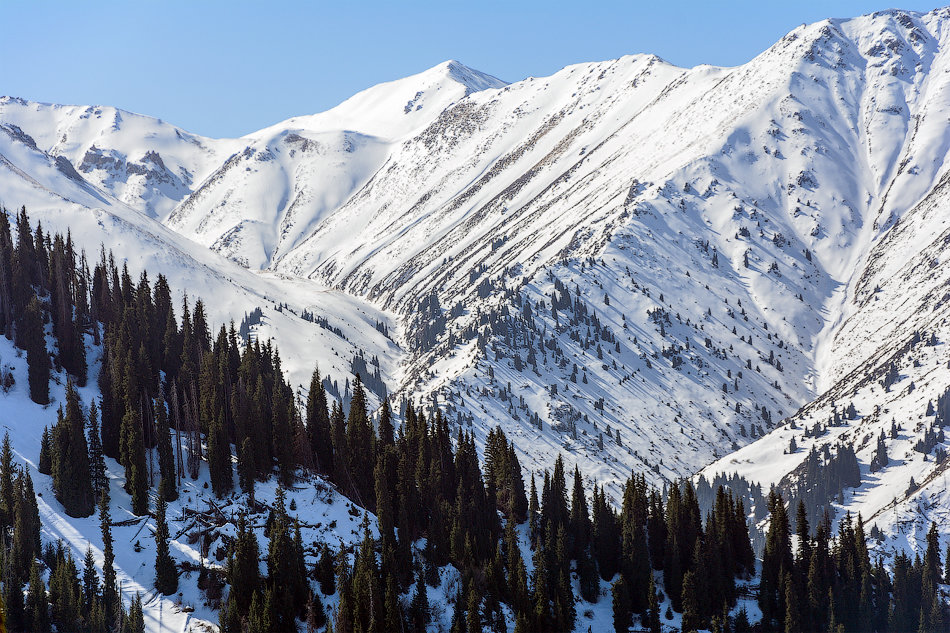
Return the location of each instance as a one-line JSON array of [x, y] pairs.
[[629, 263]]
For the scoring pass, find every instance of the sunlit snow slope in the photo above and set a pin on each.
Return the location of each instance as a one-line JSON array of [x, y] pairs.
[[634, 264]]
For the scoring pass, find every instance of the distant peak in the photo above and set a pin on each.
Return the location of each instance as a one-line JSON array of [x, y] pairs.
[[472, 79]]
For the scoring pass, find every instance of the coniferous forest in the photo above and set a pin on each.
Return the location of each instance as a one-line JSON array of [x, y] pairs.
[[529, 552]]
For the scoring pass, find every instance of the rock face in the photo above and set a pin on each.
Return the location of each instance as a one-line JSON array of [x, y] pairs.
[[634, 264]]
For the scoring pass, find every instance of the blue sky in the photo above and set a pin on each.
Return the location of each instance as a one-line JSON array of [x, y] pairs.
[[229, 68]]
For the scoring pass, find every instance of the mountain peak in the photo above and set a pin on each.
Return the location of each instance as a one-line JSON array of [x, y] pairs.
[[396, 108], [473, 80]]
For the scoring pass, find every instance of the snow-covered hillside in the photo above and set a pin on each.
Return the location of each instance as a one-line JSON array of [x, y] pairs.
[[630, 263]]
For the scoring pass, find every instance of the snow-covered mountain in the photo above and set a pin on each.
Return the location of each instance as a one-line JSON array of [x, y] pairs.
[[630, 263]]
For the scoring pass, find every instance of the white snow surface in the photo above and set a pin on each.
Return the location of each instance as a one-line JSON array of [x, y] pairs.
[[788, 217]]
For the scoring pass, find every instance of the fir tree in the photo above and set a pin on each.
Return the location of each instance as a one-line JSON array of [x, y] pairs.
[[653, 606], [621, 605], [90, 584], [776, 561], [166, 574], [31, 338], [692, 611], [318, 425], [26, 528], [167, 488], [136, 620], [7, 490], [109, 592], [245, 467], [45, 465], [136, 481], [97, 463], [793, 618], [283, 569], [71, 474], [386, 432], [360, 441], [219, 457], [243, 567], [37, 613]]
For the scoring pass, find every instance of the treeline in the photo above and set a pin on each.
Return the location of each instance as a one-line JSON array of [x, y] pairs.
[[173, 396], [73, 598], [422, 485], [43, 281], [830, 584]]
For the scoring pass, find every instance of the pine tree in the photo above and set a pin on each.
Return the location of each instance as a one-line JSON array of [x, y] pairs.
[[64, 590], [110, 427], [283, 569], [776, 561], [360, 441], [7, 490], [621, 605], [243, 567], [229, 621], [167, 487], [931, 608], [71, 475], [136, 473], [97, 463], [392, 611], [166, 574], [14, 612], [318, 425], [90, 584], [692, 611], [653, 615], [386, 432], [31, 338], [136, 621], [245, 467], [45, 465], [37, 613], [109, 593], [367, 595], [219, 457], [26, 527], [793, 618]]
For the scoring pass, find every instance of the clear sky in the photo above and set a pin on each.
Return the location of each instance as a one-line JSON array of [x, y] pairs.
[[229, 68]]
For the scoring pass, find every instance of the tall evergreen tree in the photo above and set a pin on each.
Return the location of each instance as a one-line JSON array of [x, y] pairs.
[[166, 574], [37, 606], [72, 479], [318, 425], [776, 562], [136, 473], [419, 614], [31, 338], [168, 486], [219, 457], [26, 527], [386, 431], [7, 489], [110, 594], [90, 585], [243, 567], [360, 441], [45, 465], [283, 569], [692, 610], [97, 463], [245, 467]]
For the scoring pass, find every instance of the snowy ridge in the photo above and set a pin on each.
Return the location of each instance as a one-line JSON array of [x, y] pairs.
[[688, 255]]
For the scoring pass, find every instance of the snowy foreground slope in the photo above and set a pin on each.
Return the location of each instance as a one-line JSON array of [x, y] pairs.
[[635, 265]]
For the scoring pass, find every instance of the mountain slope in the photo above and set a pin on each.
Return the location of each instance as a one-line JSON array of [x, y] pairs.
[[642, 265]]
